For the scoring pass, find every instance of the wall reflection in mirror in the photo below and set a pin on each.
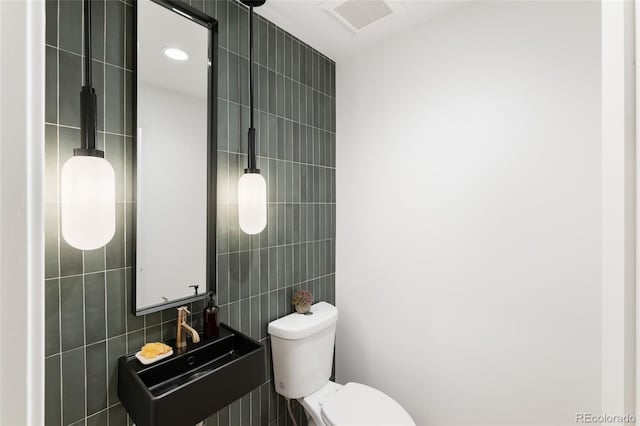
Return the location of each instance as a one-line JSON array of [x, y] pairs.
[[174, 149]]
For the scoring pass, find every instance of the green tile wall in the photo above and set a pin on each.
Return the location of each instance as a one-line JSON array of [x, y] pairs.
[[88, 319]]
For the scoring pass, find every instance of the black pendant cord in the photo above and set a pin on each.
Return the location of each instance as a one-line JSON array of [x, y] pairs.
[[251, 63], [87, 43], [251, 161], [88, 101]]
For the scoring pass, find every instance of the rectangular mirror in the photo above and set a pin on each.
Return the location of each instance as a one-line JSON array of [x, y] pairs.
[[174, 155]]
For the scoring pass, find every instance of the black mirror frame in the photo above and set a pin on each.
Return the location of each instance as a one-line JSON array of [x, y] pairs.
[[211, 24]]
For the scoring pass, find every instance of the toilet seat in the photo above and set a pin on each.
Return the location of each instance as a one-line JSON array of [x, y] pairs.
[[360, 405]]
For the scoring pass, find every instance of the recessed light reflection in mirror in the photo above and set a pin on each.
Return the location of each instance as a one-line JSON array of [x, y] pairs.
[[175, 53]]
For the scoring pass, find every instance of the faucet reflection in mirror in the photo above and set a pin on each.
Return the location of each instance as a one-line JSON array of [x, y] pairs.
[[87, 181], [252, 188]]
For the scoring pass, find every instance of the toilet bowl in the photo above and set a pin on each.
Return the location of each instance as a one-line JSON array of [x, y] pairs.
[[353, 404], [302, 354]]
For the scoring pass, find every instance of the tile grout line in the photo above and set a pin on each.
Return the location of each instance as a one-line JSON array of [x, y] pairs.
[[84, 322], [104, 250], [58, 212], [228, 219], [124, 185], [103, 62]]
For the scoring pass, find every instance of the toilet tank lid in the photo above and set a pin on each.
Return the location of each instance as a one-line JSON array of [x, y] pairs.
[[298, 326]]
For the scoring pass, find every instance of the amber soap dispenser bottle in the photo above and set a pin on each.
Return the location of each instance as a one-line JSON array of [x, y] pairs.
[[210, 318]]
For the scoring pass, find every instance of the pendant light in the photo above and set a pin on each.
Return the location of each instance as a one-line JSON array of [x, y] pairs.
[[87, 183], [252, 188]]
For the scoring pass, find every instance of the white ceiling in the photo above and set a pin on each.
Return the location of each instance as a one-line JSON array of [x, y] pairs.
[[158, 28], [310, 21]]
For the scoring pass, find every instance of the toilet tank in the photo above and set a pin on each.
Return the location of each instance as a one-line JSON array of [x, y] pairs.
[[302, 350]]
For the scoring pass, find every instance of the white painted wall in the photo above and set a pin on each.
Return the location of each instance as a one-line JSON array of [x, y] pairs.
[[21, 212], [469, 219], [618, 207]]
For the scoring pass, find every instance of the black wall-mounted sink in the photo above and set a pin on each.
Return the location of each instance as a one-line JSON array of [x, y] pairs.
[[193, 383]]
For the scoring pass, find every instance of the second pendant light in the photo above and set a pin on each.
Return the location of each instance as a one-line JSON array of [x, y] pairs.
[[252, 188]]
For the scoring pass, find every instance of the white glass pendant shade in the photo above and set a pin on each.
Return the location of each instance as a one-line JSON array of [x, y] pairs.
[[252, 203], [88, 195]]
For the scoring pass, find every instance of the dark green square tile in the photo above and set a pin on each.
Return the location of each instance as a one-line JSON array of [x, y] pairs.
[[114, 154], [262, 90], [288, 98], [114, 99], [210, 8], [51, 22], [129, 234], [263, 37], [243, 32], [51, 85], [234, 277], [129, 106], [245, 268], [232, 27], [295, 60], [129, 59], [254, 273], [234, 77], [97, 70], [235, 129], [153, 319], [129, 159], [135, 340], [244, 316], [223, 79], [52, 396], [309, 67], [115, 28], [94, 301], [99, 419], [115, 247], [70, 259], [94, 260], [222, 7], [51, 317], [97, 29], [223, 279], [153, 334], [69, 85], [73, 390], [72, 313], [133, 322], [96, 377], [70, 25], [116, 347], [51, 163], [223, 125], [116, 303], [279, 51], [263, 136], [302, 57], [271, 46], [280, 94], [51, 240], [288, 56], [117, 415], [243, 68]]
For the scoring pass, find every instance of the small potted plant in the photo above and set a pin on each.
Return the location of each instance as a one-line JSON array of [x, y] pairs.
[[302, 300]]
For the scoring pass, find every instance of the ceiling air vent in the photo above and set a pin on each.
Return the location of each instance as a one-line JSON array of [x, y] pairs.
[[357, 14]]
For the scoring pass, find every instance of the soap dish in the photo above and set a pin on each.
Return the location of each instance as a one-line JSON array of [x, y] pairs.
[[147, 361]]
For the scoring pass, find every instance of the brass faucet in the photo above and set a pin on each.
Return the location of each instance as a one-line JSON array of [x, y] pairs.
[[183, 328]]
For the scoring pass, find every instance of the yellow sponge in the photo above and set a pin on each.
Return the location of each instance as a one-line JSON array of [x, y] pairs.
[[152, 350]]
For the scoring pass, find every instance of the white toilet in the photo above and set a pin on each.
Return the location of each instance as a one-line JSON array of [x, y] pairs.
[[302, 353]]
